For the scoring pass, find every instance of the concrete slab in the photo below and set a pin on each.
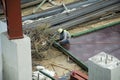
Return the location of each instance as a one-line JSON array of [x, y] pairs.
[[86, 46], [16, 58]]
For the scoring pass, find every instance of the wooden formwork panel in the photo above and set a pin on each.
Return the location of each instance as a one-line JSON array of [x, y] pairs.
[[86, 46]]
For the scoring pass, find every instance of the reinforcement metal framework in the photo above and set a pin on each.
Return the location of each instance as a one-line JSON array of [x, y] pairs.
[[63, 18], [56, 10]]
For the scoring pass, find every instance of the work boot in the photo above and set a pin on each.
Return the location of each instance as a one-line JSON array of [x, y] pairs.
[[67, 46]]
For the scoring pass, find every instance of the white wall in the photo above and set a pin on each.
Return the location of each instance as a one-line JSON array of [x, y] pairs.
[[3, 28]]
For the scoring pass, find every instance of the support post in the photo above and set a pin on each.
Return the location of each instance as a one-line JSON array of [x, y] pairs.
[[104, 67], [12, 11], [16, 58]]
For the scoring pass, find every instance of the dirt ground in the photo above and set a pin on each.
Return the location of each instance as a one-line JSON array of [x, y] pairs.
[[56, 61]]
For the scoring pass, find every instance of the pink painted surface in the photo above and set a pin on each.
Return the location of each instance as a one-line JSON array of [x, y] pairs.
[[86, 46]]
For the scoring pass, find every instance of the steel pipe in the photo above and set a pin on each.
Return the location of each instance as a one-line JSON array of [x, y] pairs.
[[63, 17], [56, 10], [88, 17], [25, 4], [46, 75], [96, 29]]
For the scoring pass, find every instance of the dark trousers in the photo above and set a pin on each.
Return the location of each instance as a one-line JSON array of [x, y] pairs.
[[65, 44]]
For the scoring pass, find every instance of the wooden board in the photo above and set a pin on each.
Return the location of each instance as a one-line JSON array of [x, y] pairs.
[[86, 46]]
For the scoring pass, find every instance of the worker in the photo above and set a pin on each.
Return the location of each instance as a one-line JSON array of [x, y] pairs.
[[64, 38]]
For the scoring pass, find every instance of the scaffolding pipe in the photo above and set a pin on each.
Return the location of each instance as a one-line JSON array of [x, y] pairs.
[[63, 17], [56, 10], [91, 16], [30, 3], [95, 29], [39, 6]]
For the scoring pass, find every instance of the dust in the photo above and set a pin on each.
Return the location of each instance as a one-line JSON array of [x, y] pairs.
[[55, 61]]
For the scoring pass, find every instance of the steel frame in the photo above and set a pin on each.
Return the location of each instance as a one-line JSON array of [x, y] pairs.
[[13, 16]]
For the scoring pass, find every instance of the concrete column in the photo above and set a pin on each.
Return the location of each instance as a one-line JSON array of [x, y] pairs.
[[16, 58], [3, 28], [104, 67]]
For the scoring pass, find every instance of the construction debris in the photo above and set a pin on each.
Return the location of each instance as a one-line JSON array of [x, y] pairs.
[[37, 75], [41, 39], [77, 75]]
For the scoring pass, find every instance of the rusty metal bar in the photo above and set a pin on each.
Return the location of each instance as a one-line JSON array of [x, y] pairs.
[[13, 16], [78, 75]]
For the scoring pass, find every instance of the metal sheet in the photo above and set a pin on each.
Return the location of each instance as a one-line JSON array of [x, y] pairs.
[[86, 46]]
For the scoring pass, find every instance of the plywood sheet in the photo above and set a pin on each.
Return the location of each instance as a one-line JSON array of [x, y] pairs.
[[86, 46]]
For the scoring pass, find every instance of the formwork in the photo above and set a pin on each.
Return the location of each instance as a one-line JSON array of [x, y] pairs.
[[83, 45]]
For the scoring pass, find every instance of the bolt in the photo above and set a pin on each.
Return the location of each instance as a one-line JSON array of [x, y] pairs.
[[111, 58], [117, 63], [106, 59], [101, 59]]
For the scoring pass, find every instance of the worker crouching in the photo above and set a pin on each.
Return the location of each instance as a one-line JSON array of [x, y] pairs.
[[64, 38]]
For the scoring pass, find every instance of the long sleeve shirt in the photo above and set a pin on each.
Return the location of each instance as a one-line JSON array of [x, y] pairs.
[[65, 35]]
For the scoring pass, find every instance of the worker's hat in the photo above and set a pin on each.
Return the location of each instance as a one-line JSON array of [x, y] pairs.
[[60, 30]]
